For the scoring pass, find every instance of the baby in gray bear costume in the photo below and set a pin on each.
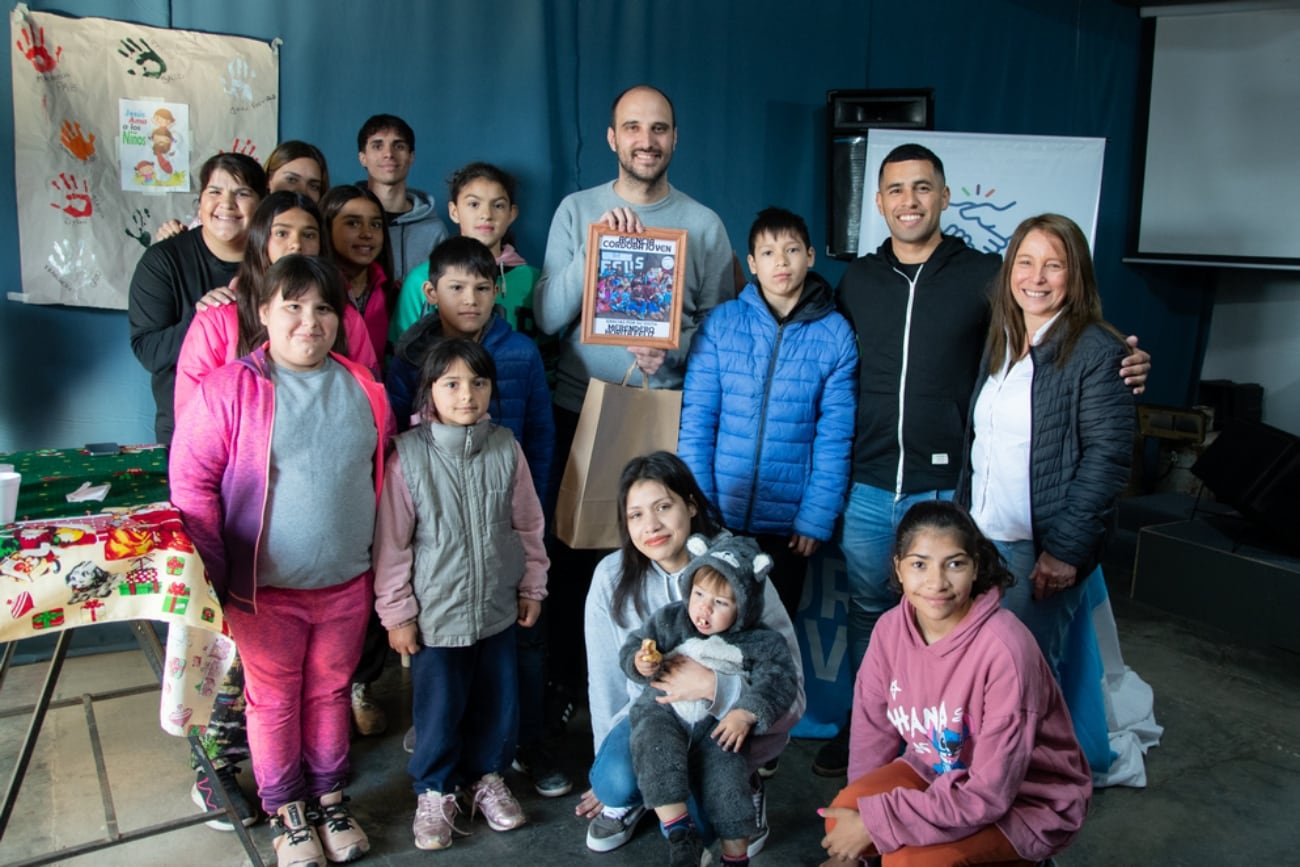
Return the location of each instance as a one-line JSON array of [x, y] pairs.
[[717, 625]]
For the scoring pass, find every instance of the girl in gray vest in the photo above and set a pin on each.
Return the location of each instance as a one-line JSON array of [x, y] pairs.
[[459, 560]]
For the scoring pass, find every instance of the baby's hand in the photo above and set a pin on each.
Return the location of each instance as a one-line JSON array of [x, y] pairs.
[[648, 658], [733, 729], [405, 638]]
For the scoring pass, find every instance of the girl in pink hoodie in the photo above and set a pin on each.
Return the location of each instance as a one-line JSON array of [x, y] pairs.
[[961, 748]]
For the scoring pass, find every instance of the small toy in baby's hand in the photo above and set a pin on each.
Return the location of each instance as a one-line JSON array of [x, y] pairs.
[[650, 653]]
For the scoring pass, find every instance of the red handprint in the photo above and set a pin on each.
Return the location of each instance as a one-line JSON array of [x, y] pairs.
[[75, 141], [247, 148], [32, 44], [76, 204]]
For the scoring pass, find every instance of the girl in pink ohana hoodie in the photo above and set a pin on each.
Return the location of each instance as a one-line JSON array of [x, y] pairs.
[[961, 751]]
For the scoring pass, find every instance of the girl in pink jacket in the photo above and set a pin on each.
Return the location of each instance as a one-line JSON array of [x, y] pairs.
[[283, 223], [961, 748], [276, 468]]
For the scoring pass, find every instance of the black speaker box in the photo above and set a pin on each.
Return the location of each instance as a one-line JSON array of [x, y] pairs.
[[1255, 468], [1230, 400]]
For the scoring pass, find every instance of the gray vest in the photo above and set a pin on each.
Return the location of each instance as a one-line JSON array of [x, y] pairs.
[[468, 559]]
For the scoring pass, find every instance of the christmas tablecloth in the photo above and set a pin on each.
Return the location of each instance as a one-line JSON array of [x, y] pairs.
[[127, 563]]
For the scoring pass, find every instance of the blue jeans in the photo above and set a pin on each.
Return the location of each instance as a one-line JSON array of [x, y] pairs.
[[867, 541], [465, 701], [613, 780], [1048, 619]]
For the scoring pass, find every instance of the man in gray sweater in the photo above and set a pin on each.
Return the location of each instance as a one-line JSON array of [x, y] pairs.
[[643, 134]]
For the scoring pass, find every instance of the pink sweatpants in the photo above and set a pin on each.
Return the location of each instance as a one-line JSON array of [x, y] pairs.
[[299, 651]]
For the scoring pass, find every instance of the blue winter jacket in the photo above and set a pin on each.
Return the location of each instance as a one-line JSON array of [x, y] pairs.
[[768, 410], [522, 402]]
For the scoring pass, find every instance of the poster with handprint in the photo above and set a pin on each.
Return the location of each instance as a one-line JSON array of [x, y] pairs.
[[154, 151], [994, 182], [112, 121]]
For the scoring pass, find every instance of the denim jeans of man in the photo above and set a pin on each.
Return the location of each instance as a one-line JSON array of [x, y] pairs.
[[867, 541]]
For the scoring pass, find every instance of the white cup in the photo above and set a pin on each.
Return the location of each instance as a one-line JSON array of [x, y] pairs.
[[9, 483]]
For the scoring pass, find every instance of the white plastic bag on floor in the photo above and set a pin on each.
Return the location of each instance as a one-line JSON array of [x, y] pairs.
[[1130, 708]]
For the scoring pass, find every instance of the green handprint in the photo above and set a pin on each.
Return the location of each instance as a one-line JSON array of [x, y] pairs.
[[140, 217], [151, 65]]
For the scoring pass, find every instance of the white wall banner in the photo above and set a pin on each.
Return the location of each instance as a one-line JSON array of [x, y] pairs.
[[995, 182], [112, 122]]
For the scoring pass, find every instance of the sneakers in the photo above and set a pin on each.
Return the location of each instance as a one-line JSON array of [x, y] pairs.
[[368, 716], [769, 770], [686, 849], [613, 827], [832, 760], [758, 839], [296, 844], [408, 740], [490, 797], [538, 763], [204, 796], [435, 820], [340, 835]]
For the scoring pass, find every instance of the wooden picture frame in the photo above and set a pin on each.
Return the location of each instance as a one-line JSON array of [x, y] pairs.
[[632, 295]]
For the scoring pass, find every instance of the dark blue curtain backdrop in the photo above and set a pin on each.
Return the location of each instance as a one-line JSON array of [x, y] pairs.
[[528, 84]]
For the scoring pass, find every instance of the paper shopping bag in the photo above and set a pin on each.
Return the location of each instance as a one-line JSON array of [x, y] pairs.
[[618, 422]]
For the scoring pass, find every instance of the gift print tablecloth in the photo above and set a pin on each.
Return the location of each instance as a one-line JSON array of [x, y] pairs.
[[127, 563]]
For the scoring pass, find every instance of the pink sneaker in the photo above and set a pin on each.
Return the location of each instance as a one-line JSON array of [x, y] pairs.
[[340, 835], [490, 797], [435, 820]]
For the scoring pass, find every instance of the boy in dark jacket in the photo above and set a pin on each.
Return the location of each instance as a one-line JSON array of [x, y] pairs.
[[769, 403], [718, 625], [462, 287]]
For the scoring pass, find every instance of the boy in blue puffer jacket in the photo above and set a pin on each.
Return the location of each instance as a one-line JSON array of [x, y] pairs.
[[769, 403]]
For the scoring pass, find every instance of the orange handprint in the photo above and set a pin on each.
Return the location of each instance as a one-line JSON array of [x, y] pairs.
[[32, 44], [76, 204], [75, 141]]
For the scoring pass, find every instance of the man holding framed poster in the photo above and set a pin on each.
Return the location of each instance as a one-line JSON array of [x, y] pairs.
[[643, 135]]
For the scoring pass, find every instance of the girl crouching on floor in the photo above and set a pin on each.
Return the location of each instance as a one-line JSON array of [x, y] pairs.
[[961, 749]]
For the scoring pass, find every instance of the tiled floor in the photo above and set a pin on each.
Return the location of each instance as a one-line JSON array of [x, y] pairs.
[[1223, 786]]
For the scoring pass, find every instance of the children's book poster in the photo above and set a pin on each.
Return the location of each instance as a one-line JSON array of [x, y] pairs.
[[154, 148], [632, 292], [112, 124]]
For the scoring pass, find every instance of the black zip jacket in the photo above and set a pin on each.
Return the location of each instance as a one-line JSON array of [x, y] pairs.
[[921, 343]]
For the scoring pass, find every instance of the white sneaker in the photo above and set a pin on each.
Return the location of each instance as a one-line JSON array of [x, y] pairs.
[[613, 827]]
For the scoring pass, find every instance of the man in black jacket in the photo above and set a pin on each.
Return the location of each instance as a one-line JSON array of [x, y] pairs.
[[920, 305]]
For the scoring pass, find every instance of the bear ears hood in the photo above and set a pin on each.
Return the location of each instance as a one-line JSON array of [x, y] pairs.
[[742, 563]]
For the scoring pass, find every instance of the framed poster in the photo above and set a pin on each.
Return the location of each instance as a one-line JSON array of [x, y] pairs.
[[633, 292]]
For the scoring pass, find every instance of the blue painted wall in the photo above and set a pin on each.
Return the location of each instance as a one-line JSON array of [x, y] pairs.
[[527, 84]]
